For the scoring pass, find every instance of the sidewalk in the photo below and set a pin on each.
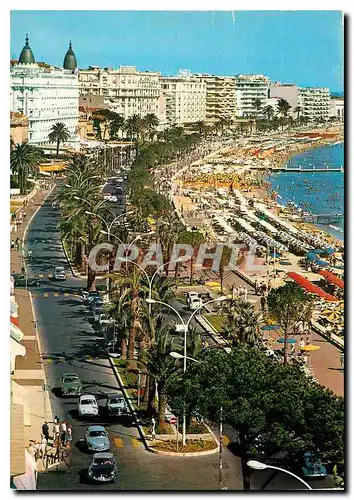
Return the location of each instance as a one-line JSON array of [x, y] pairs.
[[29, 372]]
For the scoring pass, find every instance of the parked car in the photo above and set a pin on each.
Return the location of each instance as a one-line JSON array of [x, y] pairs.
[[95, 302], [191, 295], [70, 384], [97, 312], [313, 466], [87, 406], [86, 294], [119, 179], [59, 273], [105, 320], [103, 468], [22, 279], [116, 405], [195, 303], [97, 439]]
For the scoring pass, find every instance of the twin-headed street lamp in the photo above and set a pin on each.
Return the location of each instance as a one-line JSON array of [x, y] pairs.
[[185, 326]]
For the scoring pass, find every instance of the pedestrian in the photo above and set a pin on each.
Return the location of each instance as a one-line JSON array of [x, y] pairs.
[[56, 432], [17, 243], [341, 356], [292, 349], [301, 345], [43, 446], [256, 287], [152, 428], [45, 430], [63, 429], [69, 436], [307, 340], [263, 302], [12, 245]]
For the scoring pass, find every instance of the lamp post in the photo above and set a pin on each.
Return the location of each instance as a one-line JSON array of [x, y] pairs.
[[254, 464], [185, 330]]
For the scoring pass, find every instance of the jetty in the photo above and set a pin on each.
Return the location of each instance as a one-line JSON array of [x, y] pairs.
[[300, 170], [323, 218]]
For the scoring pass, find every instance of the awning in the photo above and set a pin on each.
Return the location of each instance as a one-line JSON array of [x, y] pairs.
[[15, 332], [333, 278], [28, 480], [310, 287], [13, 307], [16, 349]]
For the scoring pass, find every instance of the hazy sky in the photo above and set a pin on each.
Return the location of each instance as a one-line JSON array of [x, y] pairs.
[[304, 47]]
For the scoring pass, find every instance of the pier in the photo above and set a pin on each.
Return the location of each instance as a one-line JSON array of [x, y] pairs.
[[300, 170], [323, 218]]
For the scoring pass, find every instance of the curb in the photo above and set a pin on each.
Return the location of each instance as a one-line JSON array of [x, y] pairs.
[[141, 432], [48, 406]]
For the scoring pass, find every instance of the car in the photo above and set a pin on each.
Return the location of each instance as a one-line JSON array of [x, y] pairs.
[[116, 405], [105, 320], [87, 406], [70, 384], [97, 439], [88, 296], [313, 466], [95, 301], [119, 179], [97, 313], [59, 274], [195, 303], [24, 280], [103, 468], [118, 191]]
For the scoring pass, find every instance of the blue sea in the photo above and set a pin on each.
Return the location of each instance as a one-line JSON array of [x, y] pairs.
[[318, 193]]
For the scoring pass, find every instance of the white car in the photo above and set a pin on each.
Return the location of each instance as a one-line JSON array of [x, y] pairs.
[[87, 406], [110, 197], [59, 273], [119, 179], [195, 303]]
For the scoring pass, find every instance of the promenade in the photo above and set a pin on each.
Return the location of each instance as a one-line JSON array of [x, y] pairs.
[[29, 372]]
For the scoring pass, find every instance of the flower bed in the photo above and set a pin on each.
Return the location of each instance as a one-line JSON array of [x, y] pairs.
[[190, 447]]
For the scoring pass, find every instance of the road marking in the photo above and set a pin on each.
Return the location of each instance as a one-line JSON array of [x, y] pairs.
[[66, 294], [136, 443], [50, 276], [118, 442], [56, 294], [46, 295], [40, 276], [89, 359], [49, 360], [225, 440]]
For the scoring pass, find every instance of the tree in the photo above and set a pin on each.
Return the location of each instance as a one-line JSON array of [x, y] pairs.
[[242, 322], [116, 124], [193, 238], [272, 407], [283, 108], [257, 104], [119, 310], [268, 112], [298, 110], [59, 133], [160, 366], [288, 305], [151, 122], [24, 161], [201, 127]]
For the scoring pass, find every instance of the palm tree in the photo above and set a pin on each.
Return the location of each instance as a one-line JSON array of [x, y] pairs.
[[24, 161], [257, 104], [133, 126], [242, 322], [268, 112], [201, 127], [116, 125], [119, 310], [298, 110], [59, 133], [151, 122], [161, 366], [283, 108]]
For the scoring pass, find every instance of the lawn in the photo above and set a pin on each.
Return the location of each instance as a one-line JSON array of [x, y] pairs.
[[216, 321]]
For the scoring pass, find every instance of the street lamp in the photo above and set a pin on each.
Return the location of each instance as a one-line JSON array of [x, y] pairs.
[[108, 226], [185, 329], [254, 464], [177, 355]]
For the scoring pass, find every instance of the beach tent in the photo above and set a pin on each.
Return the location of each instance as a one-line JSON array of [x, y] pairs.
[[310, 287], [333, 278]]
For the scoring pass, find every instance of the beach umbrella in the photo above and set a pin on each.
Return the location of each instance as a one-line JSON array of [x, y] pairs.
[[334, 316], [288, 341], [310, 348], [270, 327]]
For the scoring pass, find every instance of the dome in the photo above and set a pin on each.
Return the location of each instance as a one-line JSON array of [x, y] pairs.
[[70, 59], [26, 56]]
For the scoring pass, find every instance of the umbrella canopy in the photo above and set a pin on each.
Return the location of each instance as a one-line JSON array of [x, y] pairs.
[[333, 278], [310, 287], [288, 341], [310, 347], [270, 327], [333, 316]]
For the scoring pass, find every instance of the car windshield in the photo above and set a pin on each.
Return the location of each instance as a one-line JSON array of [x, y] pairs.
[[87, 402], [97, 433], [59, 269], [70, 379], [103, 461], [116, 401]]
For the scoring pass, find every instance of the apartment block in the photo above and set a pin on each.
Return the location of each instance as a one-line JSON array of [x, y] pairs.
[[249, 89]]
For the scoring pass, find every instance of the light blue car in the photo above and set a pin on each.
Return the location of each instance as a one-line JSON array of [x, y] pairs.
[[97, 439]]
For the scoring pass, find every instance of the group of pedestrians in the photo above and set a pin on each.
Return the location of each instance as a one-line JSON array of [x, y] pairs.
[[240, 292], [62, 432]]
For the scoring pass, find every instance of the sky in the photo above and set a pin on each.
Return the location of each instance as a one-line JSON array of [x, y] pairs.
[[302, 47]]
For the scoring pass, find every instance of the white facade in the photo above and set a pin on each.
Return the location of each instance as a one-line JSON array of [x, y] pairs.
[[46, 96], [315, 103], [250, 88], [337, 108], [185, 98], [220, 96], [127, 91], [287, 91]]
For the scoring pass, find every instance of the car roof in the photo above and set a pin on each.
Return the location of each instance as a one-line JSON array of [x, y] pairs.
[[70, 375], [115, 396], [87, 396], [96, 428], [103, 455]]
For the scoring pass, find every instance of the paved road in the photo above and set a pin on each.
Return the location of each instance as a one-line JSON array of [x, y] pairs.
[[71, 344]]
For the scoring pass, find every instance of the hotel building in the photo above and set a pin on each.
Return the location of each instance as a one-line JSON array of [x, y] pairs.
[[315, 103], [220, 96], [46, 95], [250, 88]]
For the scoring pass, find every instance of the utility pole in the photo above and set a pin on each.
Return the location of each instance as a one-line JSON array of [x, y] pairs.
[[220, 450]]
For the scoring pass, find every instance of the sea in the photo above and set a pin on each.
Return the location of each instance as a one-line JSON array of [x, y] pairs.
[[318, 193]]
